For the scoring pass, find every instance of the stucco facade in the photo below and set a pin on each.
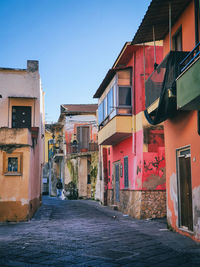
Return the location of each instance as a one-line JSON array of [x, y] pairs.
[[21, 142], [81, 162]]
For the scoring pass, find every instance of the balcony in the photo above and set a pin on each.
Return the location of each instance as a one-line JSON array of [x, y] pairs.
[[188, 93], [75, 147], [117, 129], [160, 89], [15, 136]]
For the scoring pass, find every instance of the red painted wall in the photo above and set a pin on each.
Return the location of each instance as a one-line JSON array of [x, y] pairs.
[[146, 170], [138, 73]]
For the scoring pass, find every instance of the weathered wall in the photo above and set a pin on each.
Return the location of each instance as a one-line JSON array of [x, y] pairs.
[[82, 177], [21, 194], [71, 171], [140, 204], [93, 172], [183, 126], [23, 84], [71, 124]]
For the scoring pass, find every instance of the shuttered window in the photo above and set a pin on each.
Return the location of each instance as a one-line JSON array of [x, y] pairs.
[[126, 172], [83, 137]]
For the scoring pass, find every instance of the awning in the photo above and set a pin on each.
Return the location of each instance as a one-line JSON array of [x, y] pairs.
[[157, 15]]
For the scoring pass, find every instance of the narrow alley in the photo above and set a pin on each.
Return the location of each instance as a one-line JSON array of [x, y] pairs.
[[84, 233]]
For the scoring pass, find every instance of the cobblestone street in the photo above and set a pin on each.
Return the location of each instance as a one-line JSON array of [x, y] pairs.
[[84, 233]]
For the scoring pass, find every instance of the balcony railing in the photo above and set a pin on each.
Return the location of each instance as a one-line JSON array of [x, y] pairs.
[[190, 58], [73, 148], [188, 93], [160, 88]]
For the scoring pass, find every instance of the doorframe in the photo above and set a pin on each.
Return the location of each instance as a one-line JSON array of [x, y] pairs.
[[178, 150]]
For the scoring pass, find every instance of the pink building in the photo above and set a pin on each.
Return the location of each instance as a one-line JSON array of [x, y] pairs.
[[131, 150], [81, 162]]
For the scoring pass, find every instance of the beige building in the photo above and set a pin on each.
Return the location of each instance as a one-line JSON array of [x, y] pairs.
[[21, 142]]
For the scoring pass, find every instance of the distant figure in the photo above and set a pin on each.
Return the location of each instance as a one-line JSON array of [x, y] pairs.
[[59, 187]]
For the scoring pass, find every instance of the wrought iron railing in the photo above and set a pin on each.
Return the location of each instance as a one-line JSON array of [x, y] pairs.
[[190, 58], [73, 148]]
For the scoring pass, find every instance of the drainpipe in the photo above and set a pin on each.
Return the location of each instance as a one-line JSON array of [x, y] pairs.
[[134, 107], [154, 44], [170, 27], [196, 6]]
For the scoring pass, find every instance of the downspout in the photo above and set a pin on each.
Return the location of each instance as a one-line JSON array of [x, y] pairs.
[[197, 15], [134, 108], [170, 27], [9, 111], [154, 44], [196, 7]]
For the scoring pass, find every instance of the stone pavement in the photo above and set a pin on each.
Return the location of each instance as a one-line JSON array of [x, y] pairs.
[[84, 233]]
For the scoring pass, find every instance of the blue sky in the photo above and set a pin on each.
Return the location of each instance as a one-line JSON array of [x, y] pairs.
[[75, 41]]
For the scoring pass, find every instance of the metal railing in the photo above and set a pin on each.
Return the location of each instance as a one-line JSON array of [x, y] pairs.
[[73, 148], [190, 58]]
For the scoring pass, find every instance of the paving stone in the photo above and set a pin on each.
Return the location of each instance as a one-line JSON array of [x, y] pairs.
[[84, 233]]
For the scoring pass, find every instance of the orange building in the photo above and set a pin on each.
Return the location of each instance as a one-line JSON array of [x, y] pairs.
[[173, 96]]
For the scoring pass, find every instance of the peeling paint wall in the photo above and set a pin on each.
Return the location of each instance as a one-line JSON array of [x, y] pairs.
[[196, 210], [77, 170], [93, 172]]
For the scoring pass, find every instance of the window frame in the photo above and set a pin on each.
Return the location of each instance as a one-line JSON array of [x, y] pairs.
[[175, 37], [26, 108], [125, 106], [19, 156]]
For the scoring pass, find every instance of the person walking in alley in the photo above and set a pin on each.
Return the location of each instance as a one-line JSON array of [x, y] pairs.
[[59, 188]]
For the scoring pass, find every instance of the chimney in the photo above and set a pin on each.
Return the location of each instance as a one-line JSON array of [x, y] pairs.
[[32, 65]]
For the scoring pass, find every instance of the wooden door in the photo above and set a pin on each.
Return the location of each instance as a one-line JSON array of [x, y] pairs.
[[185, 189]]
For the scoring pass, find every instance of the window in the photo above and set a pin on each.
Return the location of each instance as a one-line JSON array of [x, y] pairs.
[[110, 101], [12, 163], [124, 96], [126, 172], [105, 108], [177, 40], [83, 137], [21, 117], [100, 112]]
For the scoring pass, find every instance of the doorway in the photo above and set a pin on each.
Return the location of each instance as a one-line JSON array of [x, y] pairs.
[[185, 188]]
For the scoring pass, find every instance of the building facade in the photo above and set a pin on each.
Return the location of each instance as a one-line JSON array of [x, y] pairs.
[[132, 155], [81, 162], [21, 142], [177, 104]]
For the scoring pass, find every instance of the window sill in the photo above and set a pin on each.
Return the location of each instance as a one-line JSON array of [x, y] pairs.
[[12, 174]]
